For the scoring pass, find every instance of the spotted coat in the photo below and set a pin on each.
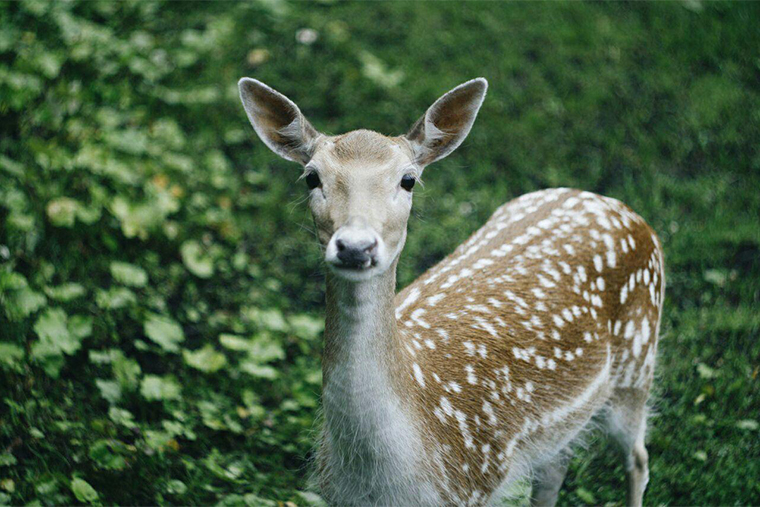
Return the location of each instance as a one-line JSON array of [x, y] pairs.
[[514, 340]]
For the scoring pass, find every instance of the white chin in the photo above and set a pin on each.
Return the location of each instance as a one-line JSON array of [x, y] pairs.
[[355, 275]]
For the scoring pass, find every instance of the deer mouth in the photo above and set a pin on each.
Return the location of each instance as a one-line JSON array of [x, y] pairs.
[[355, 265], [355, 272]]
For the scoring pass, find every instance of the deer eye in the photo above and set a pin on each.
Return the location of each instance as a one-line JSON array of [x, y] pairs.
[[407, 182], [312, 180]]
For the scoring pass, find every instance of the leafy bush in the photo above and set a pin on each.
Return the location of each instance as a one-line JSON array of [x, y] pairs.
[[160, 295]]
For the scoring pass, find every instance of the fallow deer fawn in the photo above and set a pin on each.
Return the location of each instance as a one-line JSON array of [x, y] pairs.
[[489, 365]]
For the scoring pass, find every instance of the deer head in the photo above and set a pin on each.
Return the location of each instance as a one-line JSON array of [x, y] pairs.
[[360, 183]]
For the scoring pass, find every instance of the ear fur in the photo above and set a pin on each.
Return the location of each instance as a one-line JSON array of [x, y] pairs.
[[447, 122], [278, 121]]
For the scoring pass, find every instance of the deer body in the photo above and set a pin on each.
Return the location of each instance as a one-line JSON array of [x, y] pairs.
[[490, 364]]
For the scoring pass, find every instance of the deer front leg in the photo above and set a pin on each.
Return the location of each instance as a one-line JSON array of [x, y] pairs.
[[548, 478]]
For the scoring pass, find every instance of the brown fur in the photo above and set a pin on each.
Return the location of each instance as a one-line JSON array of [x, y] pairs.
[[458, 316], [364, 145]]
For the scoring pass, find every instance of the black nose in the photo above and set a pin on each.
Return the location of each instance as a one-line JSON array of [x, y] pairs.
[[358, 255]]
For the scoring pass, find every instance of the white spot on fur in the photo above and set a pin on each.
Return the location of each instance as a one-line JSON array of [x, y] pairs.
[[411, 298], [417, 318], [471, 378], [488, 410], [611, 258], [598, 263], [418, 374], [433, 300]]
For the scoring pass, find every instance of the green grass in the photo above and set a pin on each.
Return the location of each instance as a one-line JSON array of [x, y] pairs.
[[190, 374]]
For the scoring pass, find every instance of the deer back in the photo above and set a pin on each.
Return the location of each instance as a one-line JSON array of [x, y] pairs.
[[525, 327]]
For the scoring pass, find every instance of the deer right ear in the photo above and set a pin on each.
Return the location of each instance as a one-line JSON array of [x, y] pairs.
[[447, 122], [278, 121]]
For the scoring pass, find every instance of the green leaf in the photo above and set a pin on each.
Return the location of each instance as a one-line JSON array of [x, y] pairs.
[[197, 262], [62, 211], [140, 219], [270, 319], [115, 298], [311, 499], [55, 337], [17, 297], [10, 281], [265, 349], [205, 359], [377, 71], [157, 440], [102, 453], [307, 326], [586, 496], [252, 500], [129, 274], [165, 332], [109, 390], [8, 485], [83, 491], [747, 424], [11, 356], [235, 342], [126, 371], [716, 276], [122, 417], [706, 372], [24, 303], [176, 487], [7, 459], [130, 140], [11, 166], [46, 488], [80, 326], [102, 357], [261, 349], [48, 62], [256, 370], [155, 388], [58, 335], [65, 292]]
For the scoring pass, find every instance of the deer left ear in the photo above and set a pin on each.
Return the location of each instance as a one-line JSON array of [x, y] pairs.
[[447, 122], [278, 121]]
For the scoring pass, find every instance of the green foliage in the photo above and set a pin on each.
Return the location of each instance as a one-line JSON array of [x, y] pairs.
[[83, 491], [165, 332], [160, 304], [154, 388], [129, 274], [206, 359]]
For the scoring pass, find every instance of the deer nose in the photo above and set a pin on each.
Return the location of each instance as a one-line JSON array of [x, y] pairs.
[[359, 253]]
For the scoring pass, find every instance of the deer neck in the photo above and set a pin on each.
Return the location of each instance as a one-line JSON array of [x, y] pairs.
[[361, 336], [369, 436]]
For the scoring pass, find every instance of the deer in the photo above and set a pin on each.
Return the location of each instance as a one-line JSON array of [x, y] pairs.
[[489, 367]]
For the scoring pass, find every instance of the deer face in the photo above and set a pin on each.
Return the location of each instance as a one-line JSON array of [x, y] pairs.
[[360, 184], [360, 187]]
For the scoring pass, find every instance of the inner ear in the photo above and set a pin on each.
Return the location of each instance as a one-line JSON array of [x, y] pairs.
[[278, 121], [447, 122]]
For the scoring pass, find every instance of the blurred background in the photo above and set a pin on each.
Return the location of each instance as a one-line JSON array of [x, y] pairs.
[[161, 294]]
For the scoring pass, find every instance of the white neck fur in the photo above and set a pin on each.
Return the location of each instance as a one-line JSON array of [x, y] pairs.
[[371, 449]]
